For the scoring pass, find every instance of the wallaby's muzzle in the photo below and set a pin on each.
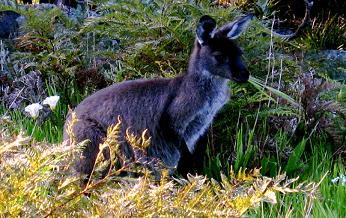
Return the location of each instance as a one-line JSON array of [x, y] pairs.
[[241, 76]]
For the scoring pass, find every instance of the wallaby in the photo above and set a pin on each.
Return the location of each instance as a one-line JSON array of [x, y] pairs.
[[175, 112]]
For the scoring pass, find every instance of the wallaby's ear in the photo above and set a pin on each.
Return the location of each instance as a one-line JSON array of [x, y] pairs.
[[205, 29], [234, 29]]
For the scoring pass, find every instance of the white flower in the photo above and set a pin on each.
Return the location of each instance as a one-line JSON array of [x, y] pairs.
[[341, 179], [51, 101], [335, 180], [33, 109]]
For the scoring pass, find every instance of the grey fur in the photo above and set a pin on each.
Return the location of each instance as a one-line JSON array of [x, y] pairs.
[[176, 112]]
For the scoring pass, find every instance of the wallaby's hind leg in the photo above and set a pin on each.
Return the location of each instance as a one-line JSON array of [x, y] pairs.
[[88, 130]]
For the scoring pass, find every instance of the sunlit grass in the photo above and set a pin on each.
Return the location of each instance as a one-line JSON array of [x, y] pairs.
[[37, 179]]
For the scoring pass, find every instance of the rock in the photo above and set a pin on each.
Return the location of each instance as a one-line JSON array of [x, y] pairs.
[[9, 23], [334, 55]]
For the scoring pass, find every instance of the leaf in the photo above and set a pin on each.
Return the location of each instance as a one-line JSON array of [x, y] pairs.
[[270, 197], [294, 160], [260, 85], [67, 182]]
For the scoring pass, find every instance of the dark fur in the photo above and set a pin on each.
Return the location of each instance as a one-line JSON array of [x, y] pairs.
[[176, 112]]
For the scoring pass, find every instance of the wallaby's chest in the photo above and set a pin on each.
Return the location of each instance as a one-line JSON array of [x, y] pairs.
[[213, 101]]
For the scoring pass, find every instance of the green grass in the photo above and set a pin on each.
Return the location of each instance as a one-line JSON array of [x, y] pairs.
[[36, 181], [243, 136], [328, 34], [317, 166], [50, 130], [330, 198]]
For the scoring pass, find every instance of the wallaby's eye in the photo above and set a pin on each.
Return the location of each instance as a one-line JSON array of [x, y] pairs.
[[220, 58]]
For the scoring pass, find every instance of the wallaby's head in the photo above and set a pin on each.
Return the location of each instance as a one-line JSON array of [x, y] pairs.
[[215, 51]]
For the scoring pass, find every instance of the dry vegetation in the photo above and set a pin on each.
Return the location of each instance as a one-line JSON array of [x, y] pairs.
[[268, 154]]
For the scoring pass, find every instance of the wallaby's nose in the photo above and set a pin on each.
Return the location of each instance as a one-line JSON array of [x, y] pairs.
[[241, 76]]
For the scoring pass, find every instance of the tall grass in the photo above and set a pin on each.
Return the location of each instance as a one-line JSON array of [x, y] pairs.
[[37, 180]]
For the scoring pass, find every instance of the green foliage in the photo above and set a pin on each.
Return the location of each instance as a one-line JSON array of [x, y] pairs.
[[329, 34], [293, 162], [49, 130], [258, 128], [159, 31], [35, 182], [329, 203], [244, 153], [261, 8]]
